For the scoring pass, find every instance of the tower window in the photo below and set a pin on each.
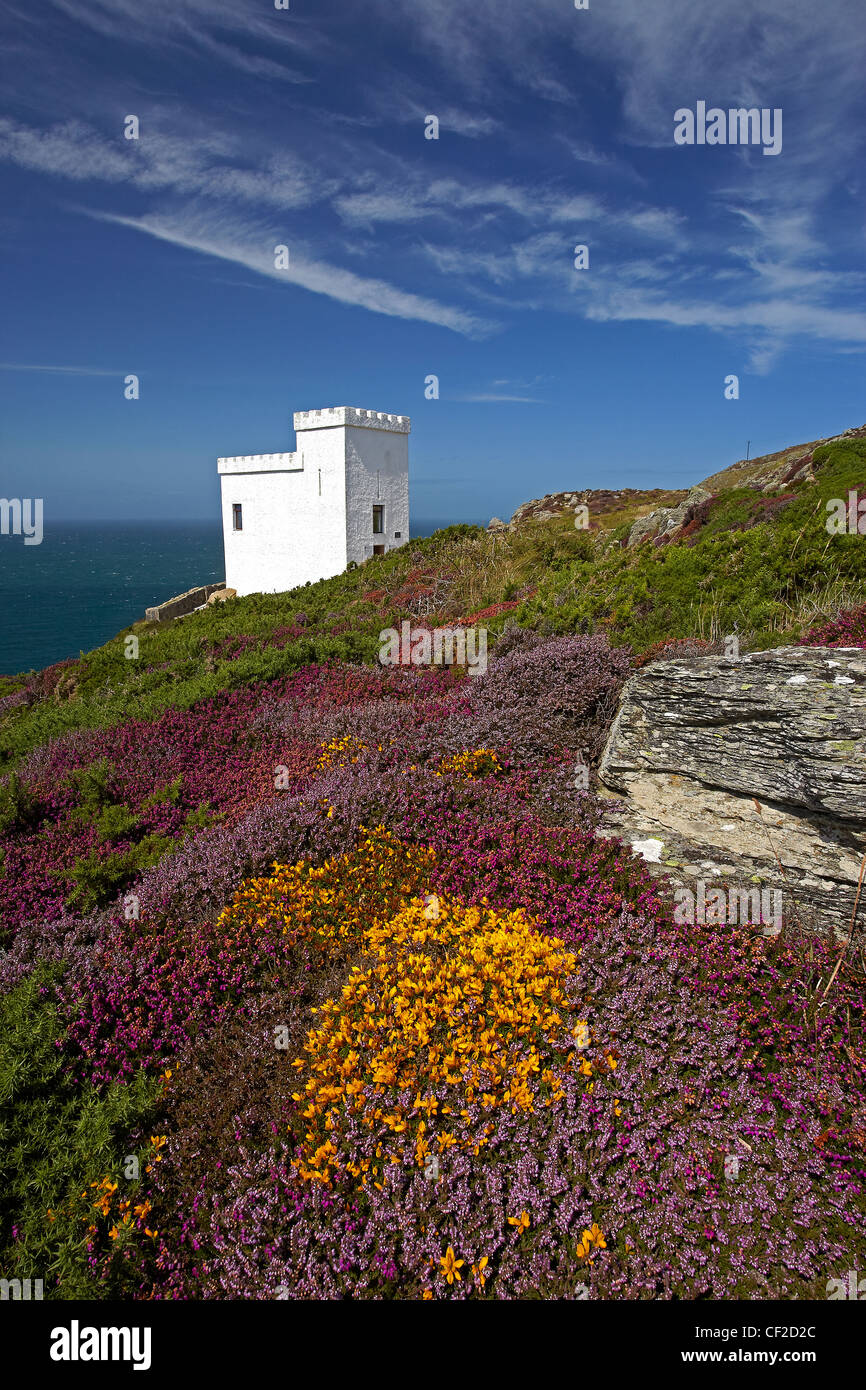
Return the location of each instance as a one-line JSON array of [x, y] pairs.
[[378, 521], [237, 517]]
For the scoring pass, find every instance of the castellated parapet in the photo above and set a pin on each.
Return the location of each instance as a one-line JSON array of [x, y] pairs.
[[261, 463], [350, 415]]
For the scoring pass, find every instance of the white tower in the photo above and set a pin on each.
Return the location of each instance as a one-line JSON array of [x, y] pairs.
[[342, 495]]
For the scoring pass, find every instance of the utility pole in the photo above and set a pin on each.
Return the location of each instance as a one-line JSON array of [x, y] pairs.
[[748, 447]]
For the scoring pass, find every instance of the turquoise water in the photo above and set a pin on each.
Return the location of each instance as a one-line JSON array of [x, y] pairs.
[[90, 579]]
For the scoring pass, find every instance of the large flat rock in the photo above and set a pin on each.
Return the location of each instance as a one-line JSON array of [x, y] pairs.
[[748, 771]]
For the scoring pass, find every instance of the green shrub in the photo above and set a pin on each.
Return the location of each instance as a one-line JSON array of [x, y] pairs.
[[56, 1138], [169, 795], [93, 785], [18, 806], [116, 823], [200, 818], [97, 878]]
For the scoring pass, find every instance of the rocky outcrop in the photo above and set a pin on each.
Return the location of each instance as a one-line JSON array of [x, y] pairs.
[[663, 515], [604, 505], [748, 772], [666, 521], [769, 472]]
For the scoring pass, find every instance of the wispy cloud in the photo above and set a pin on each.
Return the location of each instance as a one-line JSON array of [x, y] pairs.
[[493, 397], [225, 30], [740, 248], [407, 198], [411, 109], [207, 162], [776, 320], [585, 153], [368, 209], [773, 303], [507, 389], [67, 371], [253, 248]]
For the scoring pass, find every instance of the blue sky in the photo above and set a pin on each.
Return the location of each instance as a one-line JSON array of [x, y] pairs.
[[410, 257]]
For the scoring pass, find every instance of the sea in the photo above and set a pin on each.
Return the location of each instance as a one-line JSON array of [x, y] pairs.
[[88, 580]]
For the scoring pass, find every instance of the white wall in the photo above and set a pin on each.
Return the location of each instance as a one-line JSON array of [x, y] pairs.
[[377, 472], [306, 514], [291, 532]]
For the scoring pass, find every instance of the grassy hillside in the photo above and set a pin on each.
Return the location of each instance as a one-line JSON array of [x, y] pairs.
[[763, 562]]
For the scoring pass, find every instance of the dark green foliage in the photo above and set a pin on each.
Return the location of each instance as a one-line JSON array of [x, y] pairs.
[[169, 795], [56, 1138], [202, 816], [456, 532], [93, 785], [99, 877], [116, 823], [18, 807]]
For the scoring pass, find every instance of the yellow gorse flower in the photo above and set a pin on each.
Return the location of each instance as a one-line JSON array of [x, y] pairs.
[[472, 763], [339, 752], [592, 1239], [445, 995], [451, 1266], [469, 997]]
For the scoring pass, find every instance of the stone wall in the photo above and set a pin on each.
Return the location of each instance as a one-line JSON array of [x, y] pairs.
[[181, 604]]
